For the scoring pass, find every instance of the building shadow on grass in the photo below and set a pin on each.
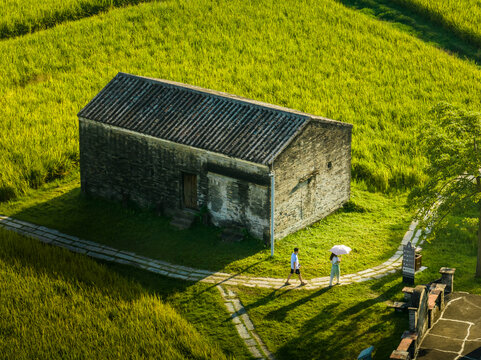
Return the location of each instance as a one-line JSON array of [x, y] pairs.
[[327, 329], [141, 231], [426, 26]]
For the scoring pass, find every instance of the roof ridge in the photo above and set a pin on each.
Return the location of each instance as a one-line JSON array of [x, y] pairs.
[[238, 98], [198, 117]]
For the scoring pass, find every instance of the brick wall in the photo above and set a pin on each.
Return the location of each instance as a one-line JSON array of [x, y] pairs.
[[312, 176]]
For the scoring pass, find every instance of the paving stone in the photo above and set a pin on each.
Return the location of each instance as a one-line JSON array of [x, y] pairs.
[[379, 276], [100, 256], [203, 272], [177, 276], [43, 228], [364, 271], [76, 249], [255, 352], [247, 322], [248, 285], [161, 272], [230, 293], [51, 231], [49, 235], [243, 333], [221, 274], [70, 237], [93, 248], [22, 223], [235, 318], [185, 269], [230, 307], [61, 239], [89, 243], [3, 217], [125, 256], [222, 291], [13, 225], [209, 281], [110, 252], [250, 342]]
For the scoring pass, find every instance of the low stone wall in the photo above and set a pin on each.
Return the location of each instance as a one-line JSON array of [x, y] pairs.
[[425, 303]]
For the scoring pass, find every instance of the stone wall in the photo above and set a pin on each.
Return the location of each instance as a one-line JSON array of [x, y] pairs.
[[312, 176], [122, 165]]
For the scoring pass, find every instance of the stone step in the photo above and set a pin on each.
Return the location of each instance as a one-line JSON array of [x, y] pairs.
[[183, 219]]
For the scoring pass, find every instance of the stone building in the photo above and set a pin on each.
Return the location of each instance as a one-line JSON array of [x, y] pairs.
[[159, 143]]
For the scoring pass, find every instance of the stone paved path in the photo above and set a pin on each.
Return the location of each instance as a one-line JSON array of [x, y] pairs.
[[96, 250], [457, 333], [238, 314], [244, 325]]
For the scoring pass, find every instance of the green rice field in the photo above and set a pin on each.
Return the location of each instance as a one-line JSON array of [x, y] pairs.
[[59, 305], [318, 57], [463, 17]]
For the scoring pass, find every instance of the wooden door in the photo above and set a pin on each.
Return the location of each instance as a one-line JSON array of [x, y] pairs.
[[190, 190]]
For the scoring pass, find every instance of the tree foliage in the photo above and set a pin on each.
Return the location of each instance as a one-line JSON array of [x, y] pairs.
[[451, 140]]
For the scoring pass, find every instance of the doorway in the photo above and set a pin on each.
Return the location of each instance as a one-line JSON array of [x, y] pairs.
[[189, 185]]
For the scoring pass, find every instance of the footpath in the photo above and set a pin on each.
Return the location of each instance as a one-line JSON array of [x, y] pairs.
[[237, 312], [99, 251]]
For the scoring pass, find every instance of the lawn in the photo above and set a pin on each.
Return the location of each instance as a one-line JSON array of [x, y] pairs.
[[372, 224], [335, 323], [319, 57], [338, 323], [55, 305]]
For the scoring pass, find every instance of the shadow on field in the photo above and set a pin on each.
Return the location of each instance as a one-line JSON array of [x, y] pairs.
[[329, 329], [421, 26], [138, 230], [39, 260]]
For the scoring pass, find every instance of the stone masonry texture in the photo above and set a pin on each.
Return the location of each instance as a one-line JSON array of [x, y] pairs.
[[312, 176]]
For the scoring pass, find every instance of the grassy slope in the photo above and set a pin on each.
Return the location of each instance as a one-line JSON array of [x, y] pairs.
[[462, 17], [318, 57], [373, 225], [55, 304], [19, 17]]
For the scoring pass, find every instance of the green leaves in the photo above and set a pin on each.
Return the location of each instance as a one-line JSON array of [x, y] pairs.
[[452, 145]]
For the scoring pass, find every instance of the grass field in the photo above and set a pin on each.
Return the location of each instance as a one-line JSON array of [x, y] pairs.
[[20, 17], [319, 57], [463, 17], [57, 305], [372, 224], [338, 323]]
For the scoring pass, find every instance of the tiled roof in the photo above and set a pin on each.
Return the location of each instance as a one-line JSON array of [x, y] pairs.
[[201, 118]]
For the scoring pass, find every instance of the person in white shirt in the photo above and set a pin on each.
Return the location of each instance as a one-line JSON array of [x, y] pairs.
[[335, 271], [295, 267]]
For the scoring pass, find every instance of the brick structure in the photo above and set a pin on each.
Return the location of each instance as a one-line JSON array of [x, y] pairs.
[[163, 144]]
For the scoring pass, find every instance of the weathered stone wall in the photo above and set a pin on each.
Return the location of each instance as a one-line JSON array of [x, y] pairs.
[[312, 176], [123, 165]]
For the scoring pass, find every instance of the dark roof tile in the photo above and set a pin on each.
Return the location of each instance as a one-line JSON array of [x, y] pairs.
[[205, 119]]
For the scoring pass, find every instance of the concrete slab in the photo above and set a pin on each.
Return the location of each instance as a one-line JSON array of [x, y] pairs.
[[472, 350], [429, 354], [468, 308], [457, 333], [450, 329], [441, 343]]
